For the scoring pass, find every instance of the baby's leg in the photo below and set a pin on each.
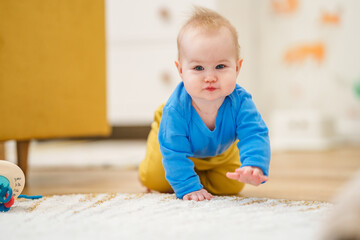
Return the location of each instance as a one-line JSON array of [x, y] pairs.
[[212, 172], [216, 182], [151, 170]]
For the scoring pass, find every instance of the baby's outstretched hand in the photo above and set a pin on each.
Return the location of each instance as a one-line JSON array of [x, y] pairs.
[[198, 195], [250, 175]]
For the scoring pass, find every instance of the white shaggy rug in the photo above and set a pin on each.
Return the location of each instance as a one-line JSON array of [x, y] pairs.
[[161, 216]]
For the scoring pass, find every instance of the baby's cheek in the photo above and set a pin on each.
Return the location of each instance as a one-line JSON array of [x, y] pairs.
[[230, 86]]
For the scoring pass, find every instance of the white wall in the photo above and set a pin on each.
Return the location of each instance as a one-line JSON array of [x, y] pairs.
[[325, 87], [141, 50]]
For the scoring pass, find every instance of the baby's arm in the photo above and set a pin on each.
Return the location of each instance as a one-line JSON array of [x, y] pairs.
[[175, 148], [250, 175], [254, 144], [198, 195]]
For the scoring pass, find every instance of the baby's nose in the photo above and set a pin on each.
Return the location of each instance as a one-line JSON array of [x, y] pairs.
[[210, 77]]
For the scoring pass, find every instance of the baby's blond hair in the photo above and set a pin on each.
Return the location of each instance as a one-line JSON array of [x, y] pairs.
[[206, 19]]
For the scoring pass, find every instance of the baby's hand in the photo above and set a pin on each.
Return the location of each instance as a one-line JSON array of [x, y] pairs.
[[198, 195], [250, 175]]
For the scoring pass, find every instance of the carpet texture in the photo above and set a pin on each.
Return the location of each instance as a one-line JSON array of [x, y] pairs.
[[161, 216]]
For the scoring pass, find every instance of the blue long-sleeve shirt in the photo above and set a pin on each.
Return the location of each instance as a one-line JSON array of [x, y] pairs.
[[183, 134]]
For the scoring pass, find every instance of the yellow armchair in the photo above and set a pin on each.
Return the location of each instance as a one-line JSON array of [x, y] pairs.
[[52, 71]]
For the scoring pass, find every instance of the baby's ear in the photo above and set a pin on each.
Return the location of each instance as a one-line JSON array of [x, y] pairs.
[[238, 65], [178, 66]]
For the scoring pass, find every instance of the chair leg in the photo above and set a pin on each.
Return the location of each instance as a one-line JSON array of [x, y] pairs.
[[2, 150], [22, 149]]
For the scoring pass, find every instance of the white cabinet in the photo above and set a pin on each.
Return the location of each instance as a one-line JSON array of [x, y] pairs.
[[141, 50]]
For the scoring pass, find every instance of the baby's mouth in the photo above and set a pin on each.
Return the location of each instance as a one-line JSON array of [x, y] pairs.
[[210, 88]]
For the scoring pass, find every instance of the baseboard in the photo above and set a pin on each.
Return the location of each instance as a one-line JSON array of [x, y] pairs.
[[117, 132], [130, 132]]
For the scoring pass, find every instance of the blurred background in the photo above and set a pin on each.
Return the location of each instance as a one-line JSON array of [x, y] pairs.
[[301, 64], [112, 62]]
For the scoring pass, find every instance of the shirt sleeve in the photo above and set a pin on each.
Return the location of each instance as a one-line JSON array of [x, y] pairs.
[[175, 149], [254, 144]]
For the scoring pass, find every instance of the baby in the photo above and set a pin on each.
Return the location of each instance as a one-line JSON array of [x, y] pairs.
[[209, 137]]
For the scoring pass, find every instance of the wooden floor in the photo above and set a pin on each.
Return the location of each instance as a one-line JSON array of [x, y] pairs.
[[293, 175]]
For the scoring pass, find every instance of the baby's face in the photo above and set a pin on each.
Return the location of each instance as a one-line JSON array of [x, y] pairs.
[[208, 64]]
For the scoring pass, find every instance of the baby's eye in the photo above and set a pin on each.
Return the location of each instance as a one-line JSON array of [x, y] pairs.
[[220, 66], [198, 68]]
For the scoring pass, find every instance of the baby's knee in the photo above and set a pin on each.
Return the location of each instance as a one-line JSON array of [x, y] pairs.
[[154, 181], [233, 189], [228, 189], [223, 186]]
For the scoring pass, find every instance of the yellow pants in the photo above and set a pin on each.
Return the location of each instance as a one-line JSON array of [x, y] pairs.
[[212, 170]]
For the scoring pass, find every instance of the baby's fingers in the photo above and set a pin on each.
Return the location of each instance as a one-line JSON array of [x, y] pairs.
[[208, 196], [264, 178], [233, 175], [239, 170], [259, 174], [257, 180], [195, 196], [187, 197], [244, 171]]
